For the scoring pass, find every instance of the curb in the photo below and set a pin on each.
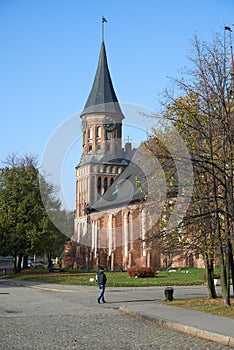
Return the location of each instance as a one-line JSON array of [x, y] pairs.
[[207, 335]]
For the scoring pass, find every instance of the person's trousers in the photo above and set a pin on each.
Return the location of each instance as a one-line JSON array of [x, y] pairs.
[[102, 291]]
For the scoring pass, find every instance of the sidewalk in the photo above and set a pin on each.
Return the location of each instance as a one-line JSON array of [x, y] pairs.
[[200, 324]]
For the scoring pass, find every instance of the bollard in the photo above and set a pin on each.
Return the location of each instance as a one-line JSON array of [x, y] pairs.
[[169, 293]]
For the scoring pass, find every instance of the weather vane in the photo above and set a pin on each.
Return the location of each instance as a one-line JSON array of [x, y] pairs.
[[103, 22]]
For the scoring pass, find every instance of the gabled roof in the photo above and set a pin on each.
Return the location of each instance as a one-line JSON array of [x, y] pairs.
[[129, 187], [102, 98]]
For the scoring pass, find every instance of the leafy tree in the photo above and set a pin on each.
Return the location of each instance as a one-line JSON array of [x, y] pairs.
[[25, 228]]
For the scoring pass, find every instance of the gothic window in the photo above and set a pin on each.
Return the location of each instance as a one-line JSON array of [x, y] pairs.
[[105, 184], [99, 185], [111, 181], [99, 130], [90, 132]]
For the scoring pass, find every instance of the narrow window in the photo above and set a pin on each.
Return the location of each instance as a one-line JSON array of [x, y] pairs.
[[105, 184], [99, 132], [99, 185]]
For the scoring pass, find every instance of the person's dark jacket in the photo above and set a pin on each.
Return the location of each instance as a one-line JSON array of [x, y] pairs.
[[101, 278]]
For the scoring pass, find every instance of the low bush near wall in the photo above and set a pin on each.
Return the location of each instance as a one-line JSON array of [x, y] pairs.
[[141, 272], [216, 276]]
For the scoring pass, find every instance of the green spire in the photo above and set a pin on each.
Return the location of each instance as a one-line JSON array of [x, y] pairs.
[[102, 98]]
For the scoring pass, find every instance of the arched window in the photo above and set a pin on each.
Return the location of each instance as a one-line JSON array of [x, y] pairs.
[[105, 184], [111, 181], [99, 185], [105, 169], [99, 130]]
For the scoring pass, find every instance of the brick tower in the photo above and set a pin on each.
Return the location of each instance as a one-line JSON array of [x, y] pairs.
[[101, 122]]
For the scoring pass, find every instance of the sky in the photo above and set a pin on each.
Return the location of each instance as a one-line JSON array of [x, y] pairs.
[[49, 56]]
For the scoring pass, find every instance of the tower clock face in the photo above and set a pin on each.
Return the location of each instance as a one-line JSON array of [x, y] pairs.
[[83, 125], [109, 123]]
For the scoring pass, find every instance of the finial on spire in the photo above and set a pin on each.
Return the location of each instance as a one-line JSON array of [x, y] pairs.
[[232, 61], [231, 88], [103, 22], [231, 53]]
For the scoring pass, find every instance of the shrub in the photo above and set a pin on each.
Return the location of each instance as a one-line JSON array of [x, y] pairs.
[[141, 272], [216, 276]]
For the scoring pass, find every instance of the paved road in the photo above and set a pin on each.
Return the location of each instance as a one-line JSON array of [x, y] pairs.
[[69, 317]]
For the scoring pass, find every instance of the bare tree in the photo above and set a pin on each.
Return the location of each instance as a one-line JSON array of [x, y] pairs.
[[203, 113]]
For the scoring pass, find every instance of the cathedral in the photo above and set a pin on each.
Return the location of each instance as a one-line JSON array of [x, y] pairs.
[[110, 219], [112, 223]]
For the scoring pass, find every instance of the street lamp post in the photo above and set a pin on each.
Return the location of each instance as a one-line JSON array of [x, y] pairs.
[[87, 212]]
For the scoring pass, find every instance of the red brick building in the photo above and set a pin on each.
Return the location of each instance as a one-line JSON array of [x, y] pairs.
[[112, 220]]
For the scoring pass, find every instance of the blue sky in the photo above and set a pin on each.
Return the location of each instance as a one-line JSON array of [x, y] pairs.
[[49, 54]]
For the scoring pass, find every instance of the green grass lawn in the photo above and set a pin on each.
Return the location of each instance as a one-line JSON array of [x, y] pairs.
[[182, 277]]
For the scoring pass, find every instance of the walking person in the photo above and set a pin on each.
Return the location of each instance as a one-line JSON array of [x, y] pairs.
[[101, 280]]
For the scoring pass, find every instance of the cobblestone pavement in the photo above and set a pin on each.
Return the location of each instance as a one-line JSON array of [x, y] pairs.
[[71, 319]]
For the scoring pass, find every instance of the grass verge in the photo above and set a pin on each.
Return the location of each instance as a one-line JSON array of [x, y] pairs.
[[212, 306]]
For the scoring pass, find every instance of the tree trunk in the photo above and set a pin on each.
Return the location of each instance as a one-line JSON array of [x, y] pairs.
[[50, 263], [223, 275], [209, 265], [228, 302], [19, 262], [25, 262], [231, 265], [15, 262]]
